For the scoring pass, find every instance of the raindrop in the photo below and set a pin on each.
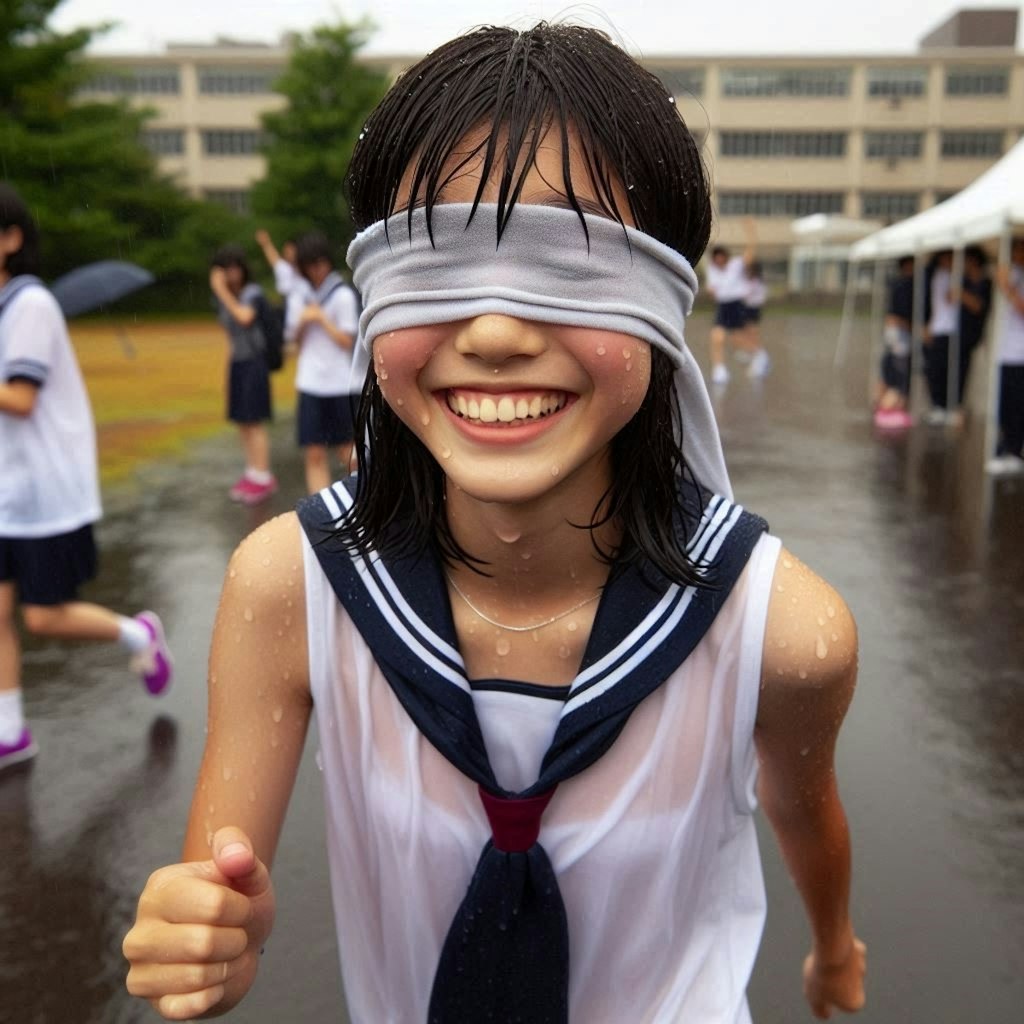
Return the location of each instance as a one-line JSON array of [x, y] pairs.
[[226, 773], [556, 469], [626, 353], [782, 643], [503, 647], [831, 612], [563, 651], [248, 615], [572, 626], [821, 649], [400, 401], [526, 555], [601, 350], [835, 637], [780, 588], [266, 562], [821, 621], [802, 673], [805, 751], [277, 714], [629, 365], [446, 453], [383, 374], [232, 574], [787, 564], [425, 419]]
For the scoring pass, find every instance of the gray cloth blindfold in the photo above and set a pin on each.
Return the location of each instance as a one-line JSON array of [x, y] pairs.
[[542, 270]]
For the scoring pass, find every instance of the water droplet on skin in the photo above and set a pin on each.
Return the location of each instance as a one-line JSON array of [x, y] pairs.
[[232, 574], [821, 649], [601, 350], [502, 647], [782, 643], [277, 714], [787, 564], [835, 637], [392, 334], [446, 453], [210, 809], [780, 588], [526, 555], [821, 621], [536, 638], [805, 751], [555, 470], [564, 652], [802, 673], [425, 420], [399, 402], [275, 740], [383, 374], [572, 626], [794, 599], [248, 615], [627, 353], [831, 612], [209, 838], [226, 773]]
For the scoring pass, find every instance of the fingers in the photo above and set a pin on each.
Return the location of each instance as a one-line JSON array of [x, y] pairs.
[[153, 981], [187, 1007], [183, 944], [185, 900], [234, 857]]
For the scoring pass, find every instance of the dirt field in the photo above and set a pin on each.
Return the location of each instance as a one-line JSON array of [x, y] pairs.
[[157, 388]]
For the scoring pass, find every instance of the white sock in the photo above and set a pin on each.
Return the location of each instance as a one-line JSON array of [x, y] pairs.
[[12, 720], [133, 635], [259, 476]]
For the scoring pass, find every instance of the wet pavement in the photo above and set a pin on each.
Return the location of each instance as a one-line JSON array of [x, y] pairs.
[[929, 555]]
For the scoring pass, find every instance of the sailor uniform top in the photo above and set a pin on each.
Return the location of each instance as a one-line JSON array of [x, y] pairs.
[[630, 839]]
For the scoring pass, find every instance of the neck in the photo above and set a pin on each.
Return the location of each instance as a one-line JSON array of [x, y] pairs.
[[535, 559]]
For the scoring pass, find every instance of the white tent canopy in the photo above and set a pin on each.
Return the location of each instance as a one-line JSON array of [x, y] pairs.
[[979, 212], [829, 227]]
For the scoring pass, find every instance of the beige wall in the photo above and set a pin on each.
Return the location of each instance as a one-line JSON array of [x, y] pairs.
[[711, 113]]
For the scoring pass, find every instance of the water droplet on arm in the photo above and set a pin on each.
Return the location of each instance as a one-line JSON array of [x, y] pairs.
[[502, 647], [248, 615]]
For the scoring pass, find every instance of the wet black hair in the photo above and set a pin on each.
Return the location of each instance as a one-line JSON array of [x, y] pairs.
[[232, 255], [15, 214], [517, 85], [312, 247], [976, 253]]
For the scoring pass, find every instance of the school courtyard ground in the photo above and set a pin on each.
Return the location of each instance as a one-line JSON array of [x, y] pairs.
[[928, 553]]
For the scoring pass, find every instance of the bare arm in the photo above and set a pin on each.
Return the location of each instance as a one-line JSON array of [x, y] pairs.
[[314, 313], [266, 244], [750, 234], [1014, 297], [239, 311], [18, 398], [809, 673], [194, 949]]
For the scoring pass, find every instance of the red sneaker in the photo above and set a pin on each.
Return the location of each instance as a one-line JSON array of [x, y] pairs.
[[255, 494]]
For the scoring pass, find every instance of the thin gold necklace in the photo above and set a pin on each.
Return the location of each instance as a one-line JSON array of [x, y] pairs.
[[519, 629]]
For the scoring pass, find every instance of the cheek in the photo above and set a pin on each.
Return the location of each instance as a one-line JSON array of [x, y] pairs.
[[618, 365], [398, 358]]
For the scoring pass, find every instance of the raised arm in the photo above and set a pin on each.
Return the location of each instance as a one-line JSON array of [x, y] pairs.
[[195, 946], [750, 238], [240, 312], [267, 247], [809, 673]]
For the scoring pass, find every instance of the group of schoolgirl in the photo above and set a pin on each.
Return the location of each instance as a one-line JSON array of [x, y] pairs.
[[49, 488], [321, 317], [736, 283]]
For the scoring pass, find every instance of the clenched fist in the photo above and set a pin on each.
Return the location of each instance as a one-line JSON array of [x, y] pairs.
[[195, 945]]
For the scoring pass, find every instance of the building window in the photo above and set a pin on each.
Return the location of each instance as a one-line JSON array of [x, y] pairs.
[[164, 141], [785, 82], [971, 145], [889, 205], [783, 144], [778, 204], [680, 81], [225, 142], [893, 145], [235, 199], [897, 81], [135, 82], [977, 81], [227, 82]]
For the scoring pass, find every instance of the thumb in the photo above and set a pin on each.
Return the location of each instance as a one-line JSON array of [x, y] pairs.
[[234, 858]]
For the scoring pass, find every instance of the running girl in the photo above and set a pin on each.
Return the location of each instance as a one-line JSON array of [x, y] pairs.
[[546, 650]]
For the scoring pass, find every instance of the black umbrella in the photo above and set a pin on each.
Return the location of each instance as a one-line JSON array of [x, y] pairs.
[[98, 284]]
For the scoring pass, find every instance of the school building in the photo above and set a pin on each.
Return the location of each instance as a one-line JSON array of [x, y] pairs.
[[865, 136]]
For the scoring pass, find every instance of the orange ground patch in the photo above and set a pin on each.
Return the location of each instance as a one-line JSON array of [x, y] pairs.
[[157, 388]]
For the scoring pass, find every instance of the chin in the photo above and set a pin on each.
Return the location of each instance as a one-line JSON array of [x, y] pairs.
[[513, 486]]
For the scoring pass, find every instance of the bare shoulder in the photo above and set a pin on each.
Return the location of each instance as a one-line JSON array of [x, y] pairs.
[[261, 619], [810, 639]]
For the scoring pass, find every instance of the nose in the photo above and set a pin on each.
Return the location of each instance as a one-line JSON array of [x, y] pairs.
[[496, 338]]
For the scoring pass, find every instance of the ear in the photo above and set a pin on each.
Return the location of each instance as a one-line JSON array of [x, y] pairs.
[[11, 240]]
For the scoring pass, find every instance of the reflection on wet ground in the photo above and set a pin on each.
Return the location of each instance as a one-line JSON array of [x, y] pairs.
[[929, 555]]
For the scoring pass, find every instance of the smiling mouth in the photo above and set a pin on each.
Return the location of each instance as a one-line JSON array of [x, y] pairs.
[[512, 408]]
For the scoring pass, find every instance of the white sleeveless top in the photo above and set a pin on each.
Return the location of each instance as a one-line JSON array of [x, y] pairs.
[[653, 845]]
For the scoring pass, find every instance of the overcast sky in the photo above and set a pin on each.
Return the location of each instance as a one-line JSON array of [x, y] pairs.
[[645, 26]]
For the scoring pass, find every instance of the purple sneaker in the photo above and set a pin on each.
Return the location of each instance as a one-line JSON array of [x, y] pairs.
[[22, 750], [154, 664]]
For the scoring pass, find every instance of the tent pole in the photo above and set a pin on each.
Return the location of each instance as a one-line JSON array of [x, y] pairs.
[[877, 315], [956, 282], [995, 332], [917, 324], [846, 324]]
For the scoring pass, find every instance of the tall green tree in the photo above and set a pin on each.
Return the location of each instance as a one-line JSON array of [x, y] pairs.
[[310, 140], [79, 164]]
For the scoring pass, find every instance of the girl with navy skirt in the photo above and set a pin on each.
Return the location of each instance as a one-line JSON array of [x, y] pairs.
[[554, 664]]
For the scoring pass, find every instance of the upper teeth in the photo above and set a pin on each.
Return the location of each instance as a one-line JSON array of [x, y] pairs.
[[505, 409]]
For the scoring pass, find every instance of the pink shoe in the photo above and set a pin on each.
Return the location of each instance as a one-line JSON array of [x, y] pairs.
[[893, 419], [21, 750], [238, 488], [255, 493], [154, 664]]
